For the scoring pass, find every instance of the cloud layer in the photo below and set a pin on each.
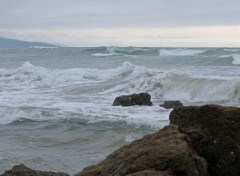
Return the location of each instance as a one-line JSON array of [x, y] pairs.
[[79, 15]]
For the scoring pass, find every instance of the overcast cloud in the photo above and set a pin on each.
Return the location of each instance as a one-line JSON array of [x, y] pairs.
[[20, 15]]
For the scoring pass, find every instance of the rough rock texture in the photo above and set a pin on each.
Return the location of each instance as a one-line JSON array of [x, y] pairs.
[[215, 134], [21, 170], [134, 99], [171, 104], [165, 153], [151, 173]]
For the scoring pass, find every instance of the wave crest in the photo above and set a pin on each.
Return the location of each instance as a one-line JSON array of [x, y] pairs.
[[125, 79], [204, 89], [59, 93], [180, 52], [126, 51], [236, 59]]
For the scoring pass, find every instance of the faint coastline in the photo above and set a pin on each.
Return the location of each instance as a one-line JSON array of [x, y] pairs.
[[13, 43]]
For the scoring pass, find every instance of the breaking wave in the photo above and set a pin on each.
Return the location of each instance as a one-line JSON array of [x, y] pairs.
[[124, 51], [128, 78], [180, 52], [187, 55], [63, 97]]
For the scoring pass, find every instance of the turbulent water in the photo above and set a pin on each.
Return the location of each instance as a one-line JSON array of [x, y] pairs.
[[55, 103]]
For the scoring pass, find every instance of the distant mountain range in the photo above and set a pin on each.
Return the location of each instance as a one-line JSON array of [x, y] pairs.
[[12, 43]]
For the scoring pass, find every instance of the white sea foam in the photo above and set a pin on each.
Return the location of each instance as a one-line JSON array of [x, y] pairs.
[[39, 93], [236, 59], [113, 51], [52, 106], [110, 51], [190, 89], [180, 52], [29, 75], [105, 54], [43, 47], [231, 49]]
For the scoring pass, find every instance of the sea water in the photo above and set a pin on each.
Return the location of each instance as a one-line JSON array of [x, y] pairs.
[[55, 103]]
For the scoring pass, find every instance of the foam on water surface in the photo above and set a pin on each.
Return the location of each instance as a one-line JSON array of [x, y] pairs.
[[236, 59], [180, 52], [55, 104], [90, 92]]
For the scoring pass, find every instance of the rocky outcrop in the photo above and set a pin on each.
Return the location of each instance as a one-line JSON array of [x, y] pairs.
[[200, 141], [171, 104], [134, 99], [21, 170], [215, 135], [165, 153], [151, 173]]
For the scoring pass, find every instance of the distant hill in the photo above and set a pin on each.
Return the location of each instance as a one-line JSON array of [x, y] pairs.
[[12, 43]]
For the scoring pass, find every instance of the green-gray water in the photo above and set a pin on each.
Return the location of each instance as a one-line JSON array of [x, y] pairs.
[[55, 103]]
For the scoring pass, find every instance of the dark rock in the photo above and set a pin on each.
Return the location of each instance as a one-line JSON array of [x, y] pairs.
[[165, 153], [151, 173], [215, 134], [171, 104], [134, 99], [21, 170]]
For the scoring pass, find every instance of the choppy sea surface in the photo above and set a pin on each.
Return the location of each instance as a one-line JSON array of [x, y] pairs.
[[55, 103]]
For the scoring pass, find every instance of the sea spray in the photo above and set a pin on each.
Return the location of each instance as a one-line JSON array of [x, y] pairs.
[[55, 104]]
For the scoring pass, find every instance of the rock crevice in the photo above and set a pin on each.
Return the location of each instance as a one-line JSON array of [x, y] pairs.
[[166, 152], [215, 135], [200, 141]]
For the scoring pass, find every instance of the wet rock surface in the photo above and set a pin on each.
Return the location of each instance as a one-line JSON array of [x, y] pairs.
[[215, 135], [165, 153], [200, 141], [151, 173], [134, 99], [22, 170], [171, 104]]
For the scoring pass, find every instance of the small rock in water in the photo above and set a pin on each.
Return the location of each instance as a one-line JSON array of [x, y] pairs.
[[171, 104], [134, 99], [22, 170]]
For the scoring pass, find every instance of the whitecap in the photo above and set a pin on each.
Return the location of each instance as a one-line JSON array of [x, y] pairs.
[[104, 54], [236, 59], [43, 47], [231, 49], [180, 52]]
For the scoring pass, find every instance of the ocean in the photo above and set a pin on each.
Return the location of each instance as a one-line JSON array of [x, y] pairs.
[[56, 108]]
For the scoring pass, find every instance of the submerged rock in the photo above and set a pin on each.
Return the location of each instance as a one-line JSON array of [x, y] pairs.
[[171, 104], [165, 153], [22, 170], [134, 99], [215, 134]]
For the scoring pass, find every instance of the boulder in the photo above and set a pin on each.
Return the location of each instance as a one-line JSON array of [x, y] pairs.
[[151, 173], [134, 99], [22, 170], [215, 134], [171, 104], [165, 153]]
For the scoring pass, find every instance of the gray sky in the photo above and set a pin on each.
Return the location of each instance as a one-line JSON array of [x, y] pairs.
[[123, 22]]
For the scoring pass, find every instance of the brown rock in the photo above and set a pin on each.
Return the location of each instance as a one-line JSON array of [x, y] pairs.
[[21, 170], [134, 99], [165, 153], [151, 173], [215, 134], [171, 104]]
